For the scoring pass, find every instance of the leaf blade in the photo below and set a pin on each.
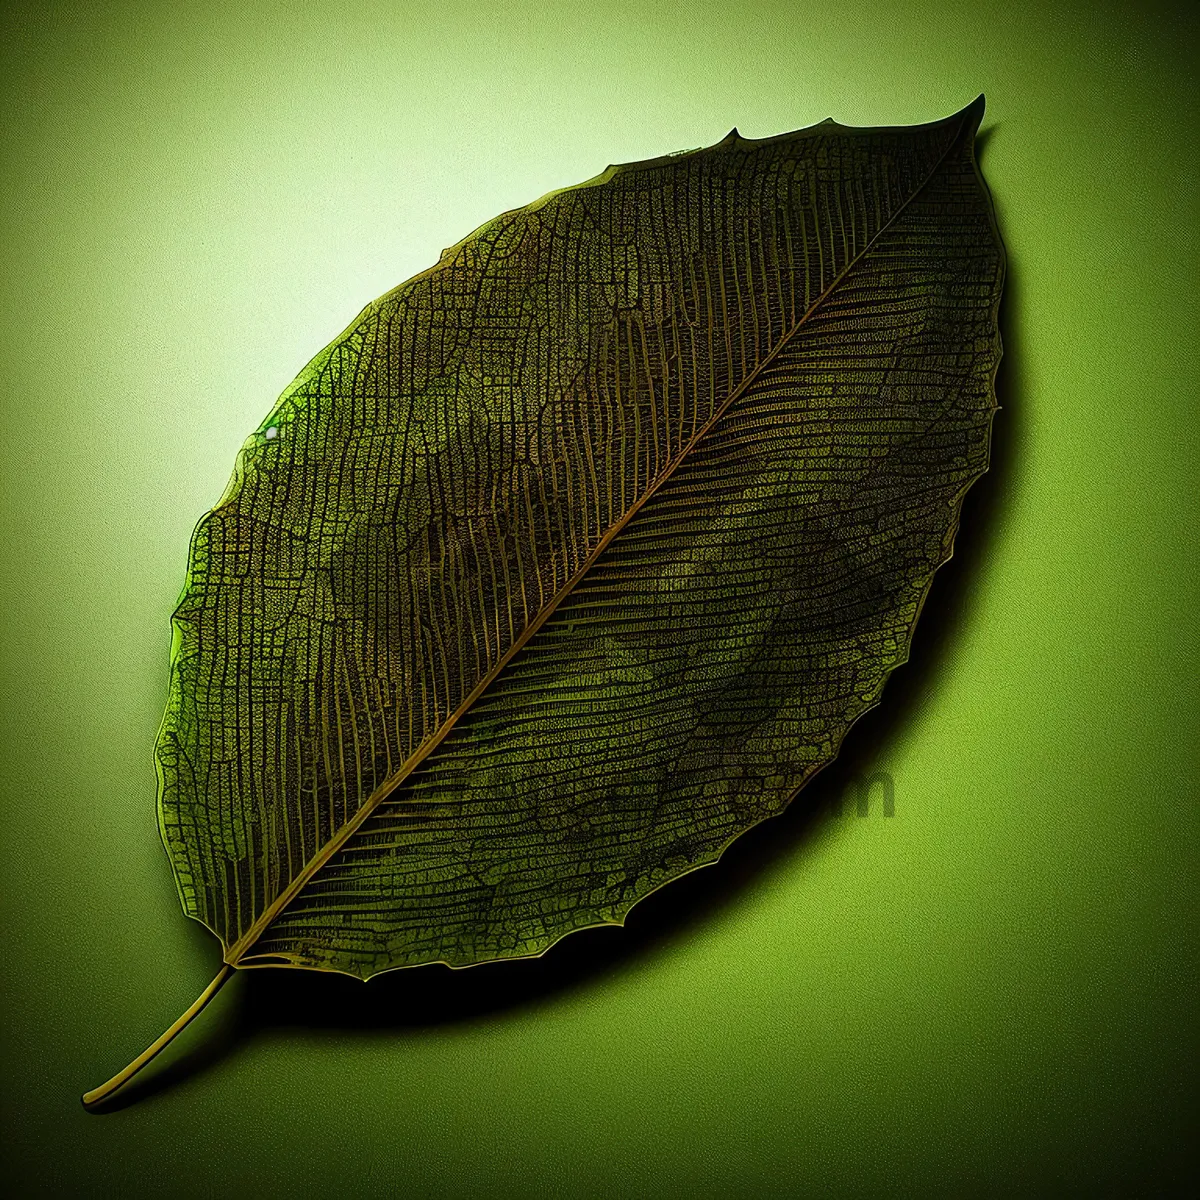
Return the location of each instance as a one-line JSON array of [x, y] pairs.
[[747, 347]]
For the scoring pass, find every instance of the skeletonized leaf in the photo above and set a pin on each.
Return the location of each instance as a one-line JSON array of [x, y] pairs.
[[576, 555]]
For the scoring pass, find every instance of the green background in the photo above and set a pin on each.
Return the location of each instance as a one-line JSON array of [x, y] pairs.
[[992, 991]]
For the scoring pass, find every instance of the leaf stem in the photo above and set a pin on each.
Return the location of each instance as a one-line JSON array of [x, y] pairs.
[[100, 1094]]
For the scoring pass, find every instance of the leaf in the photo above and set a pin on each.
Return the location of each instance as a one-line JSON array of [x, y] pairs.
[[580, 552]]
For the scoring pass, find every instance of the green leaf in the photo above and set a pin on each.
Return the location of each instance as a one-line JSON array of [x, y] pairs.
[[580, 552]]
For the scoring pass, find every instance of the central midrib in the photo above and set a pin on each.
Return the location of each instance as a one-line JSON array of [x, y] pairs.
[[237, 951]]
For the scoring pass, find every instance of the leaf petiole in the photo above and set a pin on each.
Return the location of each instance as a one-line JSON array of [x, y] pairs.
[[99, 1095]]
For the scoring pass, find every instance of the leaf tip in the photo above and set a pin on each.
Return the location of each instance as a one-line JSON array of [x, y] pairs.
[[972, 115]]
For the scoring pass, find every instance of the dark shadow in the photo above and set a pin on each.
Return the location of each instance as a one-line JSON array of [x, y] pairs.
[[265, 1000]]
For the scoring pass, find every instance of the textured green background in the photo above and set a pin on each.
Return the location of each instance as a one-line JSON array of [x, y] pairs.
[[994, 990]]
